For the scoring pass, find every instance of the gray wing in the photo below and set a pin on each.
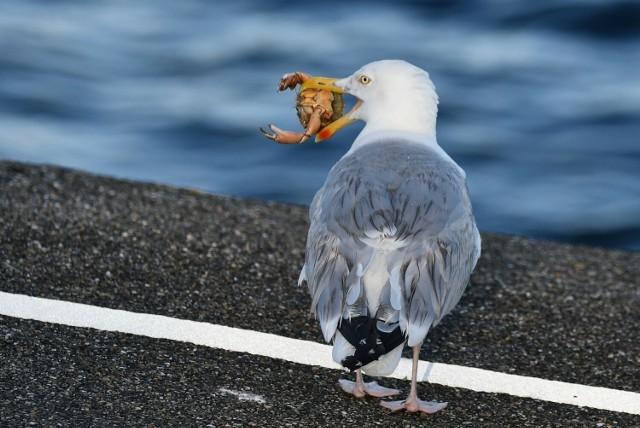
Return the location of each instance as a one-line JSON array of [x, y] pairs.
[[409, 204]]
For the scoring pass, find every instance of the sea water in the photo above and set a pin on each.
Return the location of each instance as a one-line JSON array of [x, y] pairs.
[[539, 101]]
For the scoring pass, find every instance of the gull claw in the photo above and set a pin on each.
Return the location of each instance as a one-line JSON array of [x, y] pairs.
[[413, 405], [368, 388]]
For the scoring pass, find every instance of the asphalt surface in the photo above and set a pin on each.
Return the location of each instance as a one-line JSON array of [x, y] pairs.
[[535, 308]]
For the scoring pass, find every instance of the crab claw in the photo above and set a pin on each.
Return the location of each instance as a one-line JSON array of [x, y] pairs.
[[291, 80], [289, 137], [284, 137]]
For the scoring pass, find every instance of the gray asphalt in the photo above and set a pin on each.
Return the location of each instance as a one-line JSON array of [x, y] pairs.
[[543, 309]]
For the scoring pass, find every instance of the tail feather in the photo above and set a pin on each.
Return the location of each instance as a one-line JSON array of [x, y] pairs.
[[369, 342]]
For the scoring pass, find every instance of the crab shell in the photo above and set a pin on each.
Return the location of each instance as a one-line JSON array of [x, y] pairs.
[[331, 103]]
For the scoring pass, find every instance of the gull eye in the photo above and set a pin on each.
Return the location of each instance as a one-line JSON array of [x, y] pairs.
[[365, 80]]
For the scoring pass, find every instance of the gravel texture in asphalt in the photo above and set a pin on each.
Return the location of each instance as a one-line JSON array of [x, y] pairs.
[[535, 308]]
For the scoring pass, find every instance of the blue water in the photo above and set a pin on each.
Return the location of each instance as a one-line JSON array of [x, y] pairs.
[[539, 101]]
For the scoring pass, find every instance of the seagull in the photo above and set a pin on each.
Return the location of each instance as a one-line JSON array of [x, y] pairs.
[[392, 240]]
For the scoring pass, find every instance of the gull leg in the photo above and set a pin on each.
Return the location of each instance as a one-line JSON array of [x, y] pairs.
[[412, 403], [359, 388]]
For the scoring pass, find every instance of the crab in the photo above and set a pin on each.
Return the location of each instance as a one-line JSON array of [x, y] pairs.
[[316, 109]]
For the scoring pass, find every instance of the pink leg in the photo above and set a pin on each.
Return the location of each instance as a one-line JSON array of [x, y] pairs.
[[412, 403], [359, 388]]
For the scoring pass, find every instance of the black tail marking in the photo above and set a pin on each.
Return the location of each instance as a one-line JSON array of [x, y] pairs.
[[369, 341]]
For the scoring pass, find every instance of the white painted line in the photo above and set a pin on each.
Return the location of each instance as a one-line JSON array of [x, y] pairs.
[[309, 353]]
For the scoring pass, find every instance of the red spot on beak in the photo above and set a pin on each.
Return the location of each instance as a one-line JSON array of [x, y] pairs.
[[325, 134]]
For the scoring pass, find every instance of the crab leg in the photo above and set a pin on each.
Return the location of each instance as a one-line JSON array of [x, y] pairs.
[[289, 137], [313, 126]]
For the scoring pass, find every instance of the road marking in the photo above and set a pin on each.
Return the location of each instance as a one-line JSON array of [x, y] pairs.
[[308, 353], [243, 396]]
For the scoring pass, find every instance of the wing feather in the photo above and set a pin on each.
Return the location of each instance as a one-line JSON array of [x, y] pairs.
[[409, 203]]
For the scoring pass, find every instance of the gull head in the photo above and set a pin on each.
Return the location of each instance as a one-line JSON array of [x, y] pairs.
[[393, 95]]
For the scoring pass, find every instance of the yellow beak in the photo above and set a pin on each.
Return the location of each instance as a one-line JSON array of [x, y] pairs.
[[326, 83], [328, 131]]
